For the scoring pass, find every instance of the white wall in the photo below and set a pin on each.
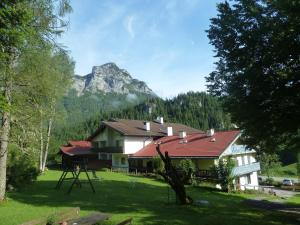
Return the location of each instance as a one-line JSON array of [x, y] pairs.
[[241, 158], [134, 144], [254, 181], [117, 160]]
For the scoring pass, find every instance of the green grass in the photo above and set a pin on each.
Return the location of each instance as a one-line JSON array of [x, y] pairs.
[[143, 199], [285, 171]]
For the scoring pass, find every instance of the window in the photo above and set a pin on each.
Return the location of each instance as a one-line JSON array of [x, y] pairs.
[[249, 159], [248, 179], [117, 143], [243, 160], [123, 161]]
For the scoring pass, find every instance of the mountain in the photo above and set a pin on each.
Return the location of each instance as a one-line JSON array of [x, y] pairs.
[[109, 78], [106, 88]]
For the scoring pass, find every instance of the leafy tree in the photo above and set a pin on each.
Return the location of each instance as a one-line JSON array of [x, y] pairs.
[[223, 171], [257, 44], [269, 163], [21, 168], [23, 24]]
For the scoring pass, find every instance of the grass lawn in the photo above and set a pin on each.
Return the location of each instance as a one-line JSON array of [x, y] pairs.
[[143, 199], [285, 171]]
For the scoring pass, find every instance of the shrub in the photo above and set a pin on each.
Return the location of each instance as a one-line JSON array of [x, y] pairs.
[[187, 168], [158, 164], [21, 168], [224, 173]]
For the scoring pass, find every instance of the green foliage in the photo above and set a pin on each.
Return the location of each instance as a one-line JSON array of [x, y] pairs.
[[21, 168], [223, 171], [186, 165], [31, 66], [51, 220], [158, 164], [269, 163], [257, 44], [298, 165]]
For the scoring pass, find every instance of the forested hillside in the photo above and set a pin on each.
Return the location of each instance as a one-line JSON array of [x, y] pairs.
[[84, 113]]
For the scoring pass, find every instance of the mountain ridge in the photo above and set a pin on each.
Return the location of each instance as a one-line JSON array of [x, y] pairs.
[[109, 78]]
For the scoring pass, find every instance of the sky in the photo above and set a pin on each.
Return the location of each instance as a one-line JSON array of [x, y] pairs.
[[161, 42]]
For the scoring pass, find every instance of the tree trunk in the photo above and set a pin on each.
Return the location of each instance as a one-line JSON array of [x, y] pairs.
[[41, 146], [4, 138], [173, 178], [47, 144]]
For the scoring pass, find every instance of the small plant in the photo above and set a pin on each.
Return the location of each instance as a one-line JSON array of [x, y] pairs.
[[51, 220], [224, 173]]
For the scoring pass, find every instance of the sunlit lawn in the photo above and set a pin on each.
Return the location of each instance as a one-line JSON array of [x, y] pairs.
[[143, 199]]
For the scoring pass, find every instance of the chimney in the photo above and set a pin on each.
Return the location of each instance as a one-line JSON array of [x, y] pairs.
[[182, 134], [210, 132], [160, 119], [170, 131], [147, 126]]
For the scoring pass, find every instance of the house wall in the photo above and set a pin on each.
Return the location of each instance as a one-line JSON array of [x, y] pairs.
[[204, 164], [243, 183], [201, 164], [110, 136], [134, 144], [244, 159], [118, 163]]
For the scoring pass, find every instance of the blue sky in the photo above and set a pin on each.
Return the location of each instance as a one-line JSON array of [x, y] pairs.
[[162, 42]]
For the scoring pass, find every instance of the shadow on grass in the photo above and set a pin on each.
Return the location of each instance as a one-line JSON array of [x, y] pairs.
[[148, 204]]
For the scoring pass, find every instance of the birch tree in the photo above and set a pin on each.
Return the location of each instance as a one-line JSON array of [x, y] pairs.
[[20, 22]]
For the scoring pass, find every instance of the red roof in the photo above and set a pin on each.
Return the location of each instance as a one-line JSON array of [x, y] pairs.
[[81, 143], [196, 145], [77, 148]]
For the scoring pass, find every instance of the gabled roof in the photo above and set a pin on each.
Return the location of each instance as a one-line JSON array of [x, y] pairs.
[[196, 145], [78, 148], [136, 128]]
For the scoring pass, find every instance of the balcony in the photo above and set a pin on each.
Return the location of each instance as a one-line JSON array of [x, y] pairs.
[[110, 149], [245, 169]]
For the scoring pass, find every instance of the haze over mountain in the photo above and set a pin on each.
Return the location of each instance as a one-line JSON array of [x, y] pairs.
[[109, 78]]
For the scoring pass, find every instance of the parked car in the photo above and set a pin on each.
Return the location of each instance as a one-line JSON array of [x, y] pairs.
[[288, 182]]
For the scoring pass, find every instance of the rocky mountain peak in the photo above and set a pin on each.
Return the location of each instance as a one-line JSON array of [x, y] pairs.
[[109, 78]]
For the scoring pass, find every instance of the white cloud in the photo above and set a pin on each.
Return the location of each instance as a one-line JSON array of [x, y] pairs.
[[128, 24]]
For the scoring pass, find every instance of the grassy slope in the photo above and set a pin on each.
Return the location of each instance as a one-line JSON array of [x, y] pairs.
[[141, 198], [285, 171]]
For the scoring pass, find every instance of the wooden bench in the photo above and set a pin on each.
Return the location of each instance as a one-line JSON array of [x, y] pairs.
[[90, 219], [64, 215]]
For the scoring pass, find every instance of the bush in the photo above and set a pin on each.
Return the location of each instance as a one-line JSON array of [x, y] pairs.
[[21, 168], [224, 173], [187, 168], [158, 164]]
